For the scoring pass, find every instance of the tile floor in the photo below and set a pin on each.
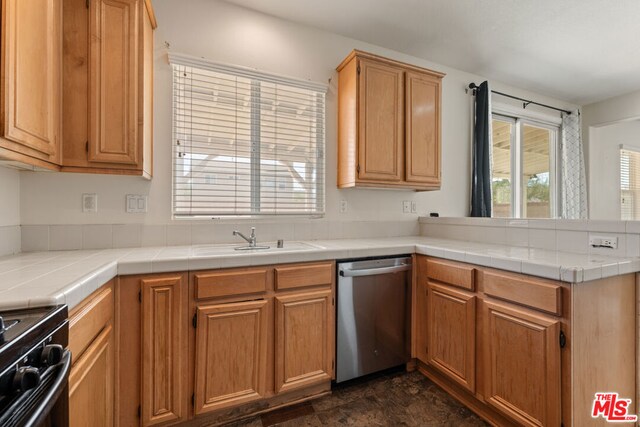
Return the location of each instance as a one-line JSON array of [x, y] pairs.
[[397, 399]]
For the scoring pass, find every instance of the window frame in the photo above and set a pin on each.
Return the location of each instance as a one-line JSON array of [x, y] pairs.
[[631, 149], [517, 190], [255, 158]]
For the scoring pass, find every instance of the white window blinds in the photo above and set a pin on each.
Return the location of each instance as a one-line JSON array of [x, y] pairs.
[[245, 143], [629, 184]]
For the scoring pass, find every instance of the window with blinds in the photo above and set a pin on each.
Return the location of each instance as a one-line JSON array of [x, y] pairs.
[[629, 184], [245, 143]]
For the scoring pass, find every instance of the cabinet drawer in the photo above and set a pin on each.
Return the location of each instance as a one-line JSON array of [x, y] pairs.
[[230, 282], [534, 293], [86, 323], [451, 273], [304, 276]]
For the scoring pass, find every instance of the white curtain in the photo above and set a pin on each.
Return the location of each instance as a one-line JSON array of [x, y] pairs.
[[574, 185]]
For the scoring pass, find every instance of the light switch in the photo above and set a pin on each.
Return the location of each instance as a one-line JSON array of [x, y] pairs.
[[406, 206], [136, 203]]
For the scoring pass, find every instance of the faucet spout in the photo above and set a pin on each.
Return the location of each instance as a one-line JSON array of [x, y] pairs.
[[251, 239]]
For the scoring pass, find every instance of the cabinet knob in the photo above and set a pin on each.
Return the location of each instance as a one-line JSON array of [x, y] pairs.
[[51, 354], [26, 378]]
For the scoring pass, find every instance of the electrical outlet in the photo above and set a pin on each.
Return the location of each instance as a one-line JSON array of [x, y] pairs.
[[609, 242], [414, 207], [136, 203], [406, 206], [89, 202], [343, 206]]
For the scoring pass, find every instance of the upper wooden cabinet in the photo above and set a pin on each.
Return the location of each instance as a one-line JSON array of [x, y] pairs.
[[388, 124], [422, 160], [381, 126], [31, 82], [108, 78]]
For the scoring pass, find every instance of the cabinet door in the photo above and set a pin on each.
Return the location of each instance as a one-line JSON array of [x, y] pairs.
[[91, 384], [31, 76], [421, 310], [522, 364], [452, 333], [231, 354], [304, 339], [114, 62], [164, 343], [423, 128], [381, 122]]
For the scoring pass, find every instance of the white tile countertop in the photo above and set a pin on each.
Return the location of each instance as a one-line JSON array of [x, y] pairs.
[[67, 277]]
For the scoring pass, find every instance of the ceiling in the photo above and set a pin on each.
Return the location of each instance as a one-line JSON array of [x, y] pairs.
[[580, 51]]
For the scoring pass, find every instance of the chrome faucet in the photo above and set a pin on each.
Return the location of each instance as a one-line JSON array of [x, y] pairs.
[[251, 239]]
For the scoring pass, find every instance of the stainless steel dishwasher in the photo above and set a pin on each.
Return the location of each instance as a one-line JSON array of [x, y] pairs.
[[373, 326]]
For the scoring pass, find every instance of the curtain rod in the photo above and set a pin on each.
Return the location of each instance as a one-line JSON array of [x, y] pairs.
[[525, 102]]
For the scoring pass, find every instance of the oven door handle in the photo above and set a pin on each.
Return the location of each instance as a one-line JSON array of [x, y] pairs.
[[375, 271], [59, 386]]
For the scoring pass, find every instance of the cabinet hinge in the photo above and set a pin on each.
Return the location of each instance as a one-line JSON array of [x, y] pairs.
[[333, 365], [333, 301], [563, 339], [86, 147], [139, 411], [194, 321], [193, 400], [358, 168], [139, 296], [357, 69]]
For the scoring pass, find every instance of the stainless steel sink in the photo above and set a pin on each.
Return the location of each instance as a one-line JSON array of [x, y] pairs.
[[212, 250]]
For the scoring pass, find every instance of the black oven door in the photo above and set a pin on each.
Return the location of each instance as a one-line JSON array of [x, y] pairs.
[[46, 404]]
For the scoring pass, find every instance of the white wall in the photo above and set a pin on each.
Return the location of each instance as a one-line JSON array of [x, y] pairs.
[[595, 118], [604, 179], [226, 33]]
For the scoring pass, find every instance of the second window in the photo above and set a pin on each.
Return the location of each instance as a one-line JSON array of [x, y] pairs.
[[524, 171]]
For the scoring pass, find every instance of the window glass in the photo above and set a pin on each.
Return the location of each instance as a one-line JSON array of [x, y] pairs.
[[536, 172], [246, 145], [502, 132]]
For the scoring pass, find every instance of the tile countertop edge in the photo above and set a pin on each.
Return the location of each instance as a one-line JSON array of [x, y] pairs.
[[549, 264]]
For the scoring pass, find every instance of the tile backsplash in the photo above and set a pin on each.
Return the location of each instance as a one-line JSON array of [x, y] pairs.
[[551, 234], [103, 236], [10, 240]]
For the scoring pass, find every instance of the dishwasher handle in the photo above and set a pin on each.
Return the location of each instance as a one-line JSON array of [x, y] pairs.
[[375, 271]]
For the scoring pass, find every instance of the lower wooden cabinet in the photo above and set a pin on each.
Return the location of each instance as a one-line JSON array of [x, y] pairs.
[[92, 376], [231, 354], [164, 340], [304, 333], [522, 364], [492, 339], [451, 331], [208, 347], [91, 384]]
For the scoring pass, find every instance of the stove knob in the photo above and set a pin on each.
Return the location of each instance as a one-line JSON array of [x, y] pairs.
[[26, 378], [51, 354]]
